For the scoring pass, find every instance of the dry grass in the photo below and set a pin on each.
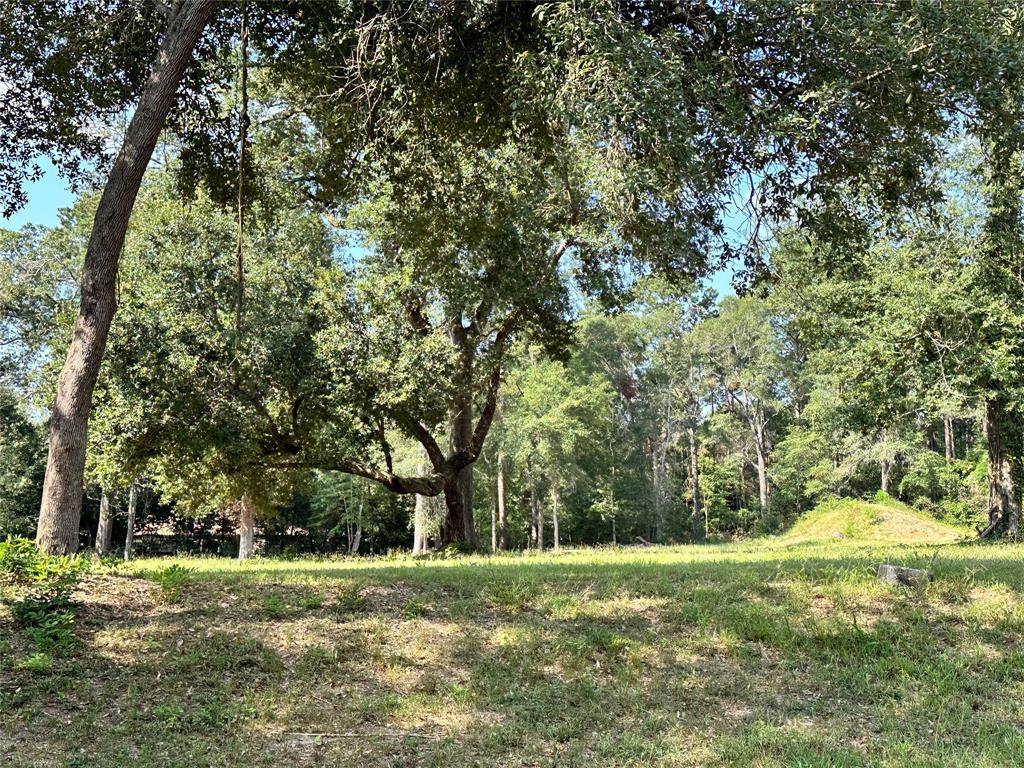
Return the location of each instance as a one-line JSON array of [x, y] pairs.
[[768, 654]]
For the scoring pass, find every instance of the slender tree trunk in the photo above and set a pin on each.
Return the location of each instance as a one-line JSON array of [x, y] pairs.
[[61, 508], [419, 522], [886, 467], [554, 518], [129, 537], [947, 428], [246, 528], [106, 525], [502, 519], [698, 522], [1004, 435], [762, 476], [357, 537], [537, 521], [494, 527]]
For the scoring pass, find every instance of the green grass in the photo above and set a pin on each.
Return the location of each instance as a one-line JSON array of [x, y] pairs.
[[774, 653], [887, 522]]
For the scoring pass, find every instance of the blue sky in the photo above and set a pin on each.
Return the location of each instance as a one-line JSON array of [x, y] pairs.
[[45, 198], [51, 193]]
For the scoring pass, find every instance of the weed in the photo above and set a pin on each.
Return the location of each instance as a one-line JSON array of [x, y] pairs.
[[349, 600], [415, 607], [171, 581]]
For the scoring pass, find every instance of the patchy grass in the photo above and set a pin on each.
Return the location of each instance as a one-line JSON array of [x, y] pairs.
[[761, 654]]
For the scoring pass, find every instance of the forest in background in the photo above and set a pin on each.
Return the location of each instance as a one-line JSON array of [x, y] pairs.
[[848, 370], [369, 296]]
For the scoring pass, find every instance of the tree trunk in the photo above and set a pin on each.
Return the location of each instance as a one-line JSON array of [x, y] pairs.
[[246, 528], [357, 538], [419, 522], [554, 518], [502, 519], [419, 526], [494, 527], [61, 508], [698, 522], [106, 525], [1004, 434], [762, 475], [129, 537], [458, 492], [886, 467], [537, 521], [947, 428]]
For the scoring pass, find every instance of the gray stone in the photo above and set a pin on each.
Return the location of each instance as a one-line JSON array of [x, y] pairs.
[[907, 577]]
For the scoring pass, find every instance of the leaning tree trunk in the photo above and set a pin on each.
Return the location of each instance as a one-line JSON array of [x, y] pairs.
[[246, 528], [129, 537], [61, 508], [699, 531], [1004, 433], [106, 526], [502, 518]]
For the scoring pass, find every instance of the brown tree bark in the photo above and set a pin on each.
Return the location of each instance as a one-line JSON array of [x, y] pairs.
[[947, 430], [461, 430], [106, 525], [246, 528], [1003, 432], [61, 508]]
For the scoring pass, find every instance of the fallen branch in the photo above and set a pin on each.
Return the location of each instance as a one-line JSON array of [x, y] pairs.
[[359, 735]]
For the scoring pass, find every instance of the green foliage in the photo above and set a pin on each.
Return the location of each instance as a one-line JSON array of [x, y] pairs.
[[38, 590], [22, 463], [171, 580]]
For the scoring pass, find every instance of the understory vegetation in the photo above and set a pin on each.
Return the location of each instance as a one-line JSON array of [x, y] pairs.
[[777, 653]]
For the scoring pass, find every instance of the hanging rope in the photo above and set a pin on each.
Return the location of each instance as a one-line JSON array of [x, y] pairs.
[[243, 130]]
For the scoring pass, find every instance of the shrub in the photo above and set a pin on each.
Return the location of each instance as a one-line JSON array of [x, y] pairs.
[[171, 580], [38, 589]]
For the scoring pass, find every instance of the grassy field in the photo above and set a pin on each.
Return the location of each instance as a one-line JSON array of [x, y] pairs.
[[783, 652]]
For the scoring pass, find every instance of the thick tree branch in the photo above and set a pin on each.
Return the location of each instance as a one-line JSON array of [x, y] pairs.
[[424, 485]]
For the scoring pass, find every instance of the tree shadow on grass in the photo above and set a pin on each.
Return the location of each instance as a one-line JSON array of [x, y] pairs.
[[795, 662]]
